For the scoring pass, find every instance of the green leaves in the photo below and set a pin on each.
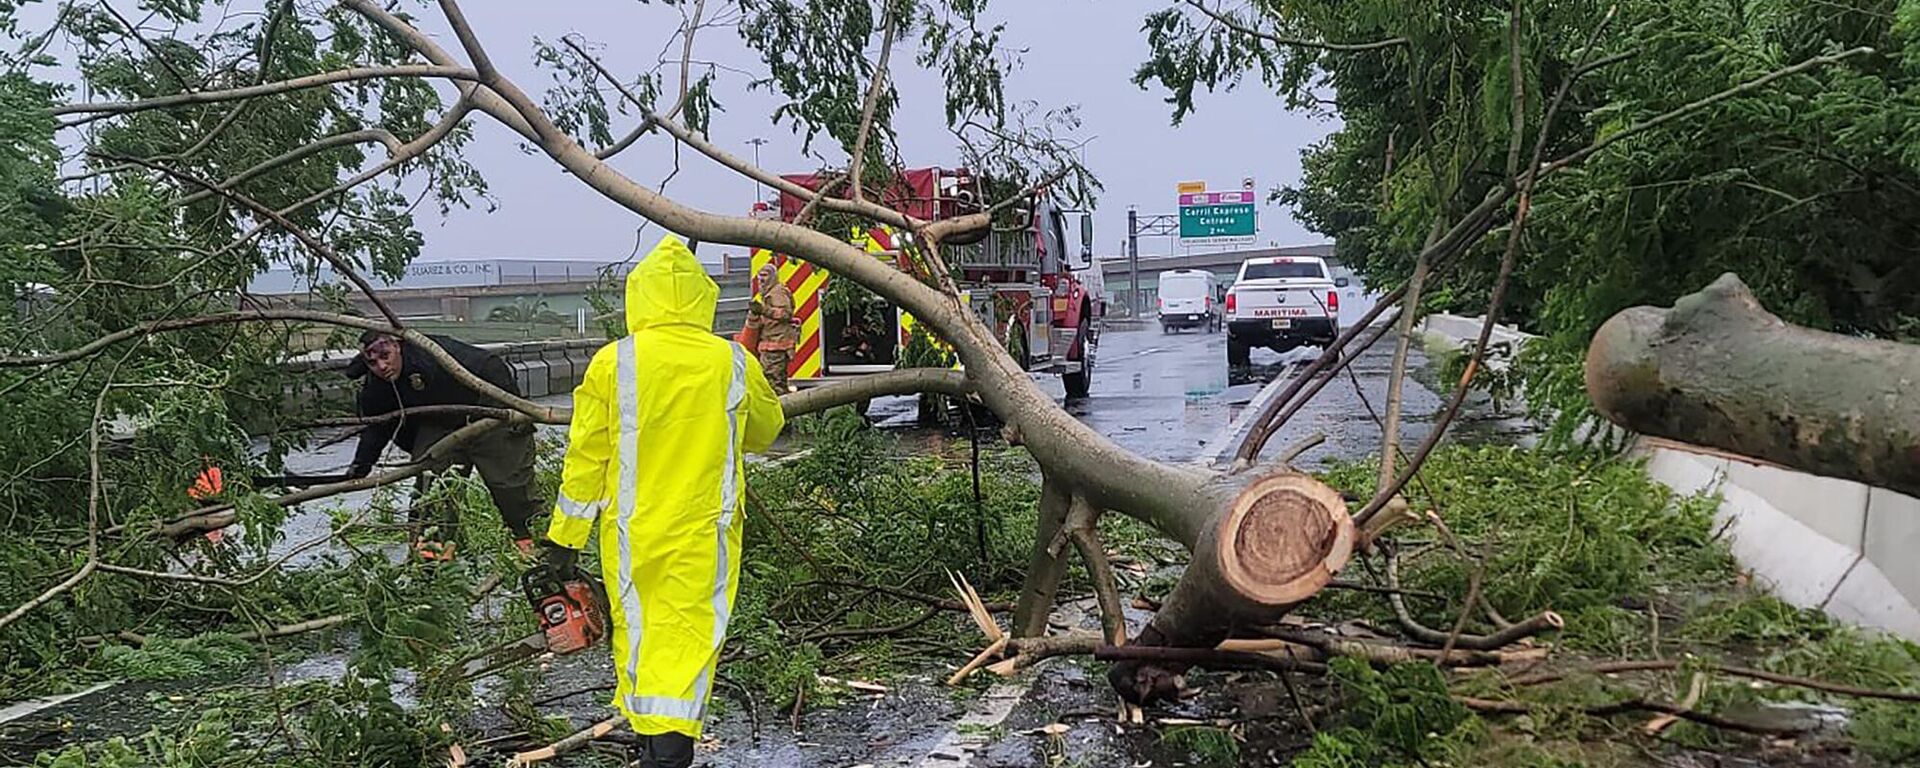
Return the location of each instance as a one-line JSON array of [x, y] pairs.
[[820, 55], [574, 101], [1808, 187]]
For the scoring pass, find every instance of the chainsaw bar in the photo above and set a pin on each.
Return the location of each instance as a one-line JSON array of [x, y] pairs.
[[503, 657]]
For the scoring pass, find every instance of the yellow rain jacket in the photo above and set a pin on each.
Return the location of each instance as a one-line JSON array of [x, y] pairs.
[[660, 426]]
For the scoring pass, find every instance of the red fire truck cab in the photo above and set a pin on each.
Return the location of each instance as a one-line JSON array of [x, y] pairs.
[[1040, 293]]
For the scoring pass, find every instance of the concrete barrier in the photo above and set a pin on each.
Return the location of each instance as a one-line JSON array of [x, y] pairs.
[[1815, 542], [534, 373]]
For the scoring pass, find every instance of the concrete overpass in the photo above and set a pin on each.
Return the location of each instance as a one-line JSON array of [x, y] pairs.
[[464, 298], [1224, 264]]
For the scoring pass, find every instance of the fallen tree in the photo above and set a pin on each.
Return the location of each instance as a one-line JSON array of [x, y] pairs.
[[1262, 538], [1719, 370]]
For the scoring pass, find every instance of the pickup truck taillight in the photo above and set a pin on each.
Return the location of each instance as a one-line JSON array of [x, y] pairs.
[[1333, 303], [1231, 303]]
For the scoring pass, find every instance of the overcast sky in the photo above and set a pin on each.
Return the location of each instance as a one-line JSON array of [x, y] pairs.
[[1073, 52]]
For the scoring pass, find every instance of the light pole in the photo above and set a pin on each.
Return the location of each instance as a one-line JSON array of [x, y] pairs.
[[757, 142]]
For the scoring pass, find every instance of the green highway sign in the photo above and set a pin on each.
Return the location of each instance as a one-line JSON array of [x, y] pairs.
[[1217, 217]]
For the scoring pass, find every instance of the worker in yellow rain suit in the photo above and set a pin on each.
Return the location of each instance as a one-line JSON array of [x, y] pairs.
[[660, 425]]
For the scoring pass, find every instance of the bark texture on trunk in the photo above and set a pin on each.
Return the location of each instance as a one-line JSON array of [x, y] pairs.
[[1719, 370]]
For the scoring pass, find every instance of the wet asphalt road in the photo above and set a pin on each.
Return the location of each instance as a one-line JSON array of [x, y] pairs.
[[1167, 396]]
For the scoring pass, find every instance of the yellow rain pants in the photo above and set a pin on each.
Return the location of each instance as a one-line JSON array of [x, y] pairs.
[[660, 426]]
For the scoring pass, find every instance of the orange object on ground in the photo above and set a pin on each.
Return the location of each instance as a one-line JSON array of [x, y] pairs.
[[432, 551], [207, 485]]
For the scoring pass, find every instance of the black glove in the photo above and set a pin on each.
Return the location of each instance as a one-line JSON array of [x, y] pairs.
[[559, 559]]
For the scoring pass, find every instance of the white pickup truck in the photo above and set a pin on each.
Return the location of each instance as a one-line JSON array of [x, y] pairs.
[[1281, 302]]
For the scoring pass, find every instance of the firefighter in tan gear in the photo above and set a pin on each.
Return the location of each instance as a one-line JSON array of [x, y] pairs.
[[660, 425], [772, 313]]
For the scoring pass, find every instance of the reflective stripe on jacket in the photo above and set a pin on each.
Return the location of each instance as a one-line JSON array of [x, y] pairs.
[[661, 424]]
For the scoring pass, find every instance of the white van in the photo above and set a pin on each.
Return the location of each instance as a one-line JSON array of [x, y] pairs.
[[1189, 298]]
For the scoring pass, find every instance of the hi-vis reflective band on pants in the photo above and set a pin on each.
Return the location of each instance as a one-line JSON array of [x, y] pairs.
[[654, 464]]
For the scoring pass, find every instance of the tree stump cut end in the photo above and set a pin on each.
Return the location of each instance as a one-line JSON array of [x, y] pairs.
[[1283, 539]]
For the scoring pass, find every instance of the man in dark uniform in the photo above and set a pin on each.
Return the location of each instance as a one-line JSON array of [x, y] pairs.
[[399, 375]]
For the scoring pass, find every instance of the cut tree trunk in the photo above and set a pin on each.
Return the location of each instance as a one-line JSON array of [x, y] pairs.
[[1279, 540], [1719, 370]]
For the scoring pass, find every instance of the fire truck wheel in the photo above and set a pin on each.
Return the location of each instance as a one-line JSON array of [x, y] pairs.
[[1080, 382]]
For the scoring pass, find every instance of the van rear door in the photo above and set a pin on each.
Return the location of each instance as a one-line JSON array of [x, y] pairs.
[[1185, 293]]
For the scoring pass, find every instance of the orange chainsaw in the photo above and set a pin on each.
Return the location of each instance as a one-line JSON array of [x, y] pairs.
[[571, 608]]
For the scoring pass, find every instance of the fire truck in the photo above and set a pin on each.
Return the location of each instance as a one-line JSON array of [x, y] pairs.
[[1041, 296]]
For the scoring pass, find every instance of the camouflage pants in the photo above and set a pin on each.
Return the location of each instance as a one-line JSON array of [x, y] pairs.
[[774, 362]]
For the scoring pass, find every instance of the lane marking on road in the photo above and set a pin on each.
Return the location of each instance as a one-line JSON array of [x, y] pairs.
[[975, 731], [1219, 448], [30, 706]]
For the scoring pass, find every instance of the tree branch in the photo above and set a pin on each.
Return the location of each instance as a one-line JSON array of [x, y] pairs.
[[153, 51], [418, 410], [404, 33], [93, 519], [867, 110], [221, 516], [1082, 528], [381, 135], [312, 244], [739, 165], [1234, 24], [535, 411], [1668, 665], [1464, 233], [226, 582], [503, 99], [1632, 705], [1515, 232], [102, 109], [904, 381]]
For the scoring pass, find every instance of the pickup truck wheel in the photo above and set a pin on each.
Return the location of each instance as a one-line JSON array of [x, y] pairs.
[[1239, 353]]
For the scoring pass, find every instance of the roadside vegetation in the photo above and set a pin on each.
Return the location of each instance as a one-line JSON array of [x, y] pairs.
[[849, 549]]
